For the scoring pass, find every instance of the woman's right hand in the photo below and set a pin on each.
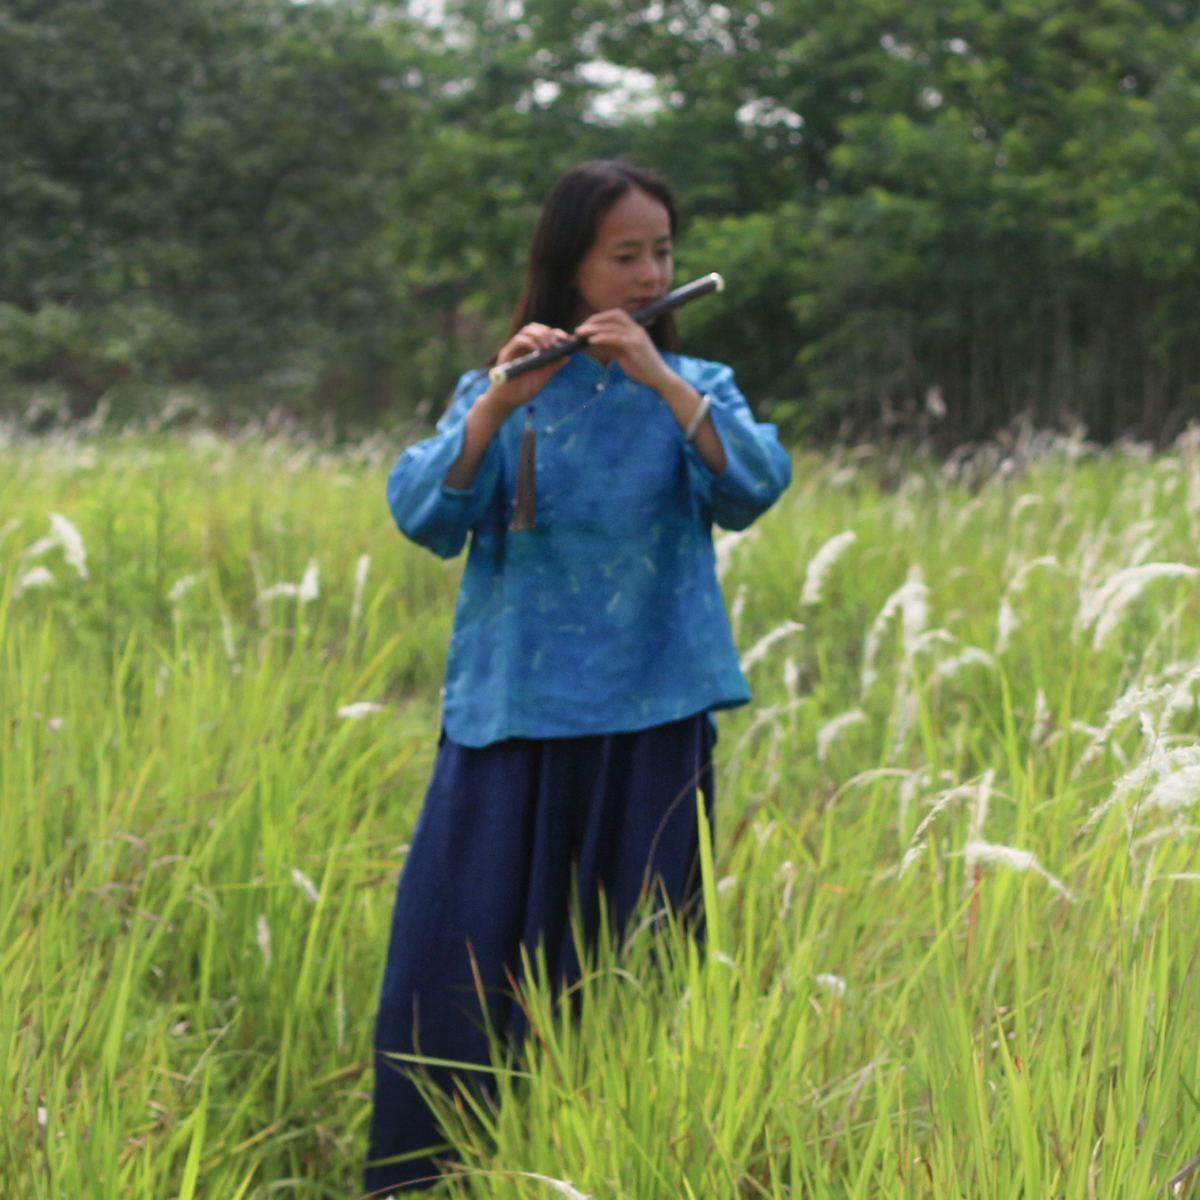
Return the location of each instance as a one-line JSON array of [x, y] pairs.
[[501, 400], [513, 393]]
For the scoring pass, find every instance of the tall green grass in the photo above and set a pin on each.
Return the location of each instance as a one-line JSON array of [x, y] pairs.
[[951, 936]]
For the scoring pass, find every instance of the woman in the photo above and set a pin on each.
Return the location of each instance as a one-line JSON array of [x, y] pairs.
[[590, 641]]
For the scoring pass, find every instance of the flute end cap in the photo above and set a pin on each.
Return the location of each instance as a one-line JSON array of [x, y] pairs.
[[720, 281], [498, 374]]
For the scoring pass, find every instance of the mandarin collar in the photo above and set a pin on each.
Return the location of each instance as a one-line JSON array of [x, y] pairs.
[[583, 368]]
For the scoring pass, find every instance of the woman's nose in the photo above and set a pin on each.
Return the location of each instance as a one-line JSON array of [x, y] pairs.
[[649, 269]]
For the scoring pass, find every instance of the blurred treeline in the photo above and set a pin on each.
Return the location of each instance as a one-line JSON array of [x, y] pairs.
[[976, 207]]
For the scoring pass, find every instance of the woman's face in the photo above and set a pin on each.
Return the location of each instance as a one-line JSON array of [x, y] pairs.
[[629, 264]]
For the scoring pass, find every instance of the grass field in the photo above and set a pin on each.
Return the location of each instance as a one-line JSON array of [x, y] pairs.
[[953, 908]]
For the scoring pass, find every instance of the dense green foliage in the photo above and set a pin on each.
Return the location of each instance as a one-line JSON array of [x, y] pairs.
[[952, 911], [990, 207]]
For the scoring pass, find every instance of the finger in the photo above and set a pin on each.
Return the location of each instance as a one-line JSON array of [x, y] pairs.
[[615, 333], [618, 315], [528, 341], [592, 326], [544, 336], [603, 337], [624, 323], [537, 331]]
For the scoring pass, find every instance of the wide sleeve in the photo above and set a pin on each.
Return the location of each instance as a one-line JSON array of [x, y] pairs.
[[758, 469], [426, 510]]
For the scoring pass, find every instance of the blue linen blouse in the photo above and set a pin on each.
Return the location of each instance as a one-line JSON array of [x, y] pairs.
[[607, 617]]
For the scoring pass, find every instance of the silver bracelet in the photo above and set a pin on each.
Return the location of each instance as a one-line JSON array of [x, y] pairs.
[[693, 426]]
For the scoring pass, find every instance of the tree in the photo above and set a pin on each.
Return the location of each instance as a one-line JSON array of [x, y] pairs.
[[193, 188]]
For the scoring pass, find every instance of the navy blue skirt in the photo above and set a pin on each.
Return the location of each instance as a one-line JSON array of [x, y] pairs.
[[504, 833]]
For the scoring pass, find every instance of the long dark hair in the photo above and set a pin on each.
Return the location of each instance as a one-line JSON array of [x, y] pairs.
[[565, 231]]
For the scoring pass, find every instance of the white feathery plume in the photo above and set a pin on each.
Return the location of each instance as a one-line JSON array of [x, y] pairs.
[[278, 591], [914, 607], [1115, 610], [1134, 701], [1105, 606], [979, 812], [979, 815], [1041, 718], [1143, 550], [1177, 791], [308, 589], [227, 636], [967, 511], [35, 577], [40, 547], [905, 708], [726, 544], [562, 1186], [1133, 782], [360, 586], [941, 803], [65, 536], [306, 885], [917, 777], [927, 640], [791, 680], [762, 647], [1006, 624], [910, 600], [1182, 700], [971, 656], [1163, 833], [831, 983], [1014, 860], [1097, 734], [906, 793], [1189, 447], [263, 937], [1138, 540], [822, 563], [71, 541], [1088, 553], [355, 712], [310, 585], [787, 872], [181, 587], [1007, 619], [831, 730], [737, 609]]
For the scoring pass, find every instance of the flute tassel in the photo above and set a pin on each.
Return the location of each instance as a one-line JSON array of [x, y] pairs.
[[525, 501]]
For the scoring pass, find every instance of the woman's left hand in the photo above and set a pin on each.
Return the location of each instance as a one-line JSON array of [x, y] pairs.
[[619, 335]]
